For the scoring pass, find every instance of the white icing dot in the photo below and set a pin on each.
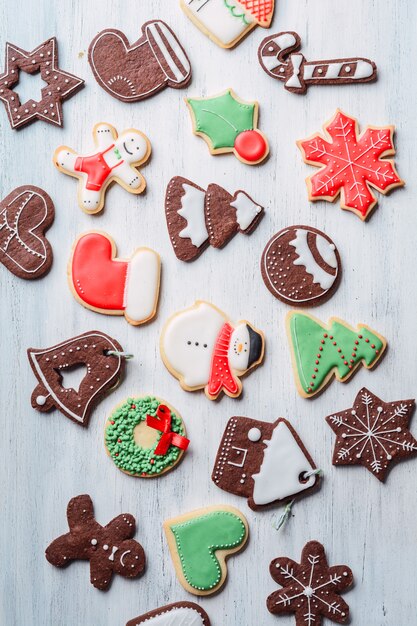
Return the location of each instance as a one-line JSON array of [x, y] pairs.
[[40, 400], [94, 542], [254, 434]]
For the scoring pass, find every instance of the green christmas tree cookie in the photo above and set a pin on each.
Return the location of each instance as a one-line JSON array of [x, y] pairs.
[[319, 351]]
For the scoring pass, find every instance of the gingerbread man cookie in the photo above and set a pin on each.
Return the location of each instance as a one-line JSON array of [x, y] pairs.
[[110, 549], [116, 160]]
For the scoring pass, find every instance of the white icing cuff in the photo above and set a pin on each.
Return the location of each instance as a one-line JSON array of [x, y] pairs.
[[142, 285], [178, 64]]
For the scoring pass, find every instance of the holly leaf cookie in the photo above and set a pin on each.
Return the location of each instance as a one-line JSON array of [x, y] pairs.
[[229, 124], [110, 549], [310, 589], [264, 462], [25, 215], [320, 351], [176, 614], [373, 433], [351, 164], [201, 541], [133, 72]]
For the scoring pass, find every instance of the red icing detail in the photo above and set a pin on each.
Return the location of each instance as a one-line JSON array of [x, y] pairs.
[[98, 280], [163, 423], [96, 169], [260, 9], [350, 163], [221, 376], [250, 145]]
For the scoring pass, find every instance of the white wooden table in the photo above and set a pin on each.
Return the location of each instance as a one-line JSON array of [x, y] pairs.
[[46, 459]]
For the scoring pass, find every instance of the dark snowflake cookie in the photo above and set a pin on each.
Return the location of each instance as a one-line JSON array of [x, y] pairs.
[[145, 437], [264, 462], [310, 589], [301, 266], [132, 72], [25, 214], [110, 549], [373, 433], [100, 354], [176, 614]]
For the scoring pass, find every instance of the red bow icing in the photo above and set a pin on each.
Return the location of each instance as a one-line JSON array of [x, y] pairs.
[[163, 423], [220, 373]]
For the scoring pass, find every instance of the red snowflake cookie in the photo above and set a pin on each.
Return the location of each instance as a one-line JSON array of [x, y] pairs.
[[310, 588], [351, 164]]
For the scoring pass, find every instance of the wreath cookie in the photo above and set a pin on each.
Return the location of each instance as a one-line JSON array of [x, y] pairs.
[[145, 437]]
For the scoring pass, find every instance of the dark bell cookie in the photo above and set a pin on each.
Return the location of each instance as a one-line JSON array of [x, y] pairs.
[[301, 266]]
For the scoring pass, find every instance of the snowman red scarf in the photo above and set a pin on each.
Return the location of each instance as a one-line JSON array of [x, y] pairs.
[[221, 376]]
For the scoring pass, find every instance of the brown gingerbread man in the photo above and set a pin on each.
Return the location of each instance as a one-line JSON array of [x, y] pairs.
[[110, 549]]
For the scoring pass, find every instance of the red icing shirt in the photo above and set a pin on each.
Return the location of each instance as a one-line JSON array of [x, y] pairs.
[[96, 169], [221, 376], [98, 280]]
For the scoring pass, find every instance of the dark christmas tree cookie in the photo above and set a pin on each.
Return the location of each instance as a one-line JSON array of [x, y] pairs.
[[110, 549], [229, 125], [25, 214], [104, 360], [197, 218], [59, 85], [320, 351], [132, 72], [310, 589], [176, 614], [264, 462], [373, 433], [301, 266], [145, 437]]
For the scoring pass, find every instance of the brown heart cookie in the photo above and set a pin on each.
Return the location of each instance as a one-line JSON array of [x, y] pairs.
[[25, 214], [132, 72]]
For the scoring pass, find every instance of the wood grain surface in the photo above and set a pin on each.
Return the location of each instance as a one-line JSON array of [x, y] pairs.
[[47, 459]]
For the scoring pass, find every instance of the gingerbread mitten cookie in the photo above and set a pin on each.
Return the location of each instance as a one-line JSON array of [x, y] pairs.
[[176, 614], [110, 549]]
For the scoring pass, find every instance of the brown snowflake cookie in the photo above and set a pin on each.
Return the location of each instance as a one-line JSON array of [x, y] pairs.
[[264, 462], [104, 360], [132, 72], [373, 433], [197, 218], [311, 588], [59, 86], [110, 549], [25, 214], [176, 614], [301, 266]]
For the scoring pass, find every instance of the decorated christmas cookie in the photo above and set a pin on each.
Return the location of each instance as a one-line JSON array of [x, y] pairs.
[[116, 160], [264, 462], [280, 58], [321, 351], [106, 284], [204, 350], [201, 541], [198, 218], [351, 164], [132, 72], [145, 437], [301, 266], [310, 589], [229, 124], [226, 22], [110, 549], [100, 354], [25, 214], [59, 85], [176, 614], [373, 433]]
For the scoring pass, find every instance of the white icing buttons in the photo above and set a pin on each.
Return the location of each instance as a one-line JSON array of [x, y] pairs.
[[40, 400], [254, 434]]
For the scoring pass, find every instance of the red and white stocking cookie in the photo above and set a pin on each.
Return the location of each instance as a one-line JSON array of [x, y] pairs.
[[115, 160], [198, 218], [264, 462], [106, 284], [204, 350], [110, 549]]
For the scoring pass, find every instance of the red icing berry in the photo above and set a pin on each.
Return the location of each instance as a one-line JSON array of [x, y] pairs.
[[133, 406], [250, 145]]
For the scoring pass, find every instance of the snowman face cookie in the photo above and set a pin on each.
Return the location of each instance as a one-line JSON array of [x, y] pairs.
[[203, 349]]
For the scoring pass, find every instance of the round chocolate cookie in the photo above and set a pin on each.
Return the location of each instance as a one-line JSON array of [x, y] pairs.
[[301, 266]]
